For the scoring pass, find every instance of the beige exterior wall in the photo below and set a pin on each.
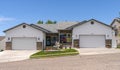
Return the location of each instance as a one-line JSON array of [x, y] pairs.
[[117, 26], [25, 32], [20, 32], [95, 29], [2, 44]]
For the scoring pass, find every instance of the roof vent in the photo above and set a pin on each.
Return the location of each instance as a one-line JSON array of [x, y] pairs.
[[24, 26], [92, 22]]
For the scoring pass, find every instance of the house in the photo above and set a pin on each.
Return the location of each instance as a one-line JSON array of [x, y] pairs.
[[85, 34], [2, 42], [116, 26]]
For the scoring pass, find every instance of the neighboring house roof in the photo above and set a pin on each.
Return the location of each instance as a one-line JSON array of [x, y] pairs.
[[1, 38], [116, 19], [39, 28], [83, 22]]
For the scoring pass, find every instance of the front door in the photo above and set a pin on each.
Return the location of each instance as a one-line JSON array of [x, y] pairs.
[[53, 40], [48, 41]]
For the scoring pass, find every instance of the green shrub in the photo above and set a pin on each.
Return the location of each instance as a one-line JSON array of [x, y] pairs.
[[1, 50], [118, 46]]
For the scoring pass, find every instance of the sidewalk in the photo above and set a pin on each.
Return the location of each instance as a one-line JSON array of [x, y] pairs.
[[95, 51]]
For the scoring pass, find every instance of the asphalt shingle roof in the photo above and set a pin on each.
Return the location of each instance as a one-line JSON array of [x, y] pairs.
[[55, 27]]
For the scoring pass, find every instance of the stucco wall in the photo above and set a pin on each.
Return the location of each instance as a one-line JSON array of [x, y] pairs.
[[117, 24], [25, 32], [2, 44], [94, 29]]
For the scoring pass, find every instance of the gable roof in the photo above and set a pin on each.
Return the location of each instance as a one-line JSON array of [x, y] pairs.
[[80, 23], [40, 28], [1, 38], [53, 28], [116, 19], [71, 27], [100, 22], [14, 27]]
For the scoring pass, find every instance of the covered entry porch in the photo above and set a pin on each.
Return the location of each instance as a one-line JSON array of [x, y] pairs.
[[64, 37]]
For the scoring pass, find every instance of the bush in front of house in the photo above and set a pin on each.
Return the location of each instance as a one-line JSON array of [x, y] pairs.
[[118, 46], [1, 50]]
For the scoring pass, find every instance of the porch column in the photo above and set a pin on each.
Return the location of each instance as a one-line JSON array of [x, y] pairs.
[[72, 42], [59, 36]]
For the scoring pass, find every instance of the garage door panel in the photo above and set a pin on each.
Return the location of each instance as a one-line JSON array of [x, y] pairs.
[[24, 43], [89, 41]]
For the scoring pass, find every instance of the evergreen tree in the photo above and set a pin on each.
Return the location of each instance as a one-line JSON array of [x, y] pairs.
[[40, 22]]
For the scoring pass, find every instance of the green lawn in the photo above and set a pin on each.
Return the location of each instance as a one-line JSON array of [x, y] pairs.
[[65, 52], [118, 46]]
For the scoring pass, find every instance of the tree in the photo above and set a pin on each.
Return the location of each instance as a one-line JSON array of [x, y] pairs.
[[55, 22], [51, 22], [40, 22]]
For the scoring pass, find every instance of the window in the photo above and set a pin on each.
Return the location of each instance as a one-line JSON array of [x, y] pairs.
[[117, 41], [65, 37], [38, 38], [24, 26], [69, 37], [8, 38], [114, 26], [116, 32], [107, 35]]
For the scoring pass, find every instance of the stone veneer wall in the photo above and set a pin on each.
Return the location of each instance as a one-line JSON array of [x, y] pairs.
[[39, 45], [8, 45], [76, 43], [108, 43]]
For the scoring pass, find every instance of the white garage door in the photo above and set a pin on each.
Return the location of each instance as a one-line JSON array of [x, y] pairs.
[[24, 43], [92, 41]]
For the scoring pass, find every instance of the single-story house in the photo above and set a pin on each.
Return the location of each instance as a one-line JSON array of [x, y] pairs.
[[85, 34]]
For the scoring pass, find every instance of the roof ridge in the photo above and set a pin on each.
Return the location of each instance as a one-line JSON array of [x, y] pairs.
[[38, 27]]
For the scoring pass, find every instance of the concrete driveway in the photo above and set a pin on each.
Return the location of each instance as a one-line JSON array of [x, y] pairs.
[[15, 55], [95, 51]]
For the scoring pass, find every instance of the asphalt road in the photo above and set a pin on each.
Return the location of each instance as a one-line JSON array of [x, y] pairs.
[[79, 62]]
